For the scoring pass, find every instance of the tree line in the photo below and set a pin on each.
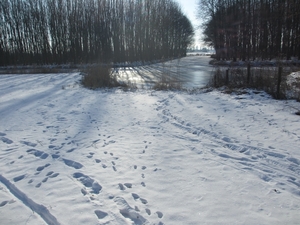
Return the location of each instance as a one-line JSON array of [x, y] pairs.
[[88, 31], [250, 29]]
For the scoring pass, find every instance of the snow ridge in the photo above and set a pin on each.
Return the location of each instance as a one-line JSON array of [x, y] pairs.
[[39, 209]]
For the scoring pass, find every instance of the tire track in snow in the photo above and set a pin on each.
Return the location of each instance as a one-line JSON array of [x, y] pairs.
[[39, 209], [263, 162]]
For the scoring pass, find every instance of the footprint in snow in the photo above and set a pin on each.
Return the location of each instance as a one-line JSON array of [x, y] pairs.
[[55, 156], [128, 212], [88, 182], [148, 211], [91, 154], [51, 174], [71, 150], [30, 144], [71, 163], [100, 214], [18, 178], [144, 201], [128, 185], [40, 168], [121, 186], [7, 202], [6, 140], [38, 153], [3, 203], [159, 214], [135, 196]]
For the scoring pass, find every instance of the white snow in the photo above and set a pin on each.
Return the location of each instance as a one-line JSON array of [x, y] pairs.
[[69, 155]]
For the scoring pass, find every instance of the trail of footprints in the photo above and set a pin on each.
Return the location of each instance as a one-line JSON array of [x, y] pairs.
[[90, 186], [133, 213]]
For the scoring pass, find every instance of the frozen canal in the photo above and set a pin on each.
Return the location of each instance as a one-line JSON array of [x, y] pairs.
[[191, 72]]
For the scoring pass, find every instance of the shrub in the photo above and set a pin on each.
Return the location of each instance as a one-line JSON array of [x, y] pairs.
[[99, 76]]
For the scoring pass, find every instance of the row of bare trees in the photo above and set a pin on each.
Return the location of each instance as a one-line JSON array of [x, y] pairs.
[[250, 29], [87, 31]]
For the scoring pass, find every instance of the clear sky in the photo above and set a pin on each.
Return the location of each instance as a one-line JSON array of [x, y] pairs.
[[189, 7]]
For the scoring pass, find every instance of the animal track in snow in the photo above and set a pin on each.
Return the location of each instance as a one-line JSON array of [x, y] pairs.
[[88, 182], [97, 160]]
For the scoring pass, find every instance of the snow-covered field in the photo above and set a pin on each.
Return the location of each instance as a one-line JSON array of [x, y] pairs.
[[69, 155]]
